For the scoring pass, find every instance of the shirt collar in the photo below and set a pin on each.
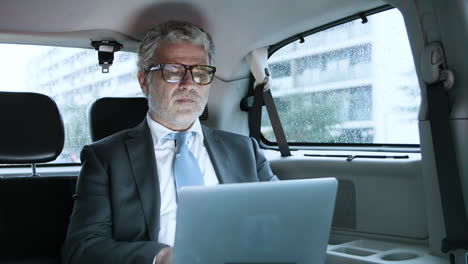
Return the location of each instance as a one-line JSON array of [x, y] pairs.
[[158, 131]]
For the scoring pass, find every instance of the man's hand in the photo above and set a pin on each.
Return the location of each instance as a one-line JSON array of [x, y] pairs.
[[164, 256]]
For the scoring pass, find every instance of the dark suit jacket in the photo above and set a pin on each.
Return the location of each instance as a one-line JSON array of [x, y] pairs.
[[117, 203]]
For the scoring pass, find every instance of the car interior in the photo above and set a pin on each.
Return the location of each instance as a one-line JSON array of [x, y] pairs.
[[369, 92]]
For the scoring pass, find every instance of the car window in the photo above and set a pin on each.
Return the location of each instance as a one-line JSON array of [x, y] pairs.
[[354, 83], [73, 78]]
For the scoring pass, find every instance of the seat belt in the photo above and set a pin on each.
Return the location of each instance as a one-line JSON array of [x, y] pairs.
[[439, 80], [262, 96], [451, 195]]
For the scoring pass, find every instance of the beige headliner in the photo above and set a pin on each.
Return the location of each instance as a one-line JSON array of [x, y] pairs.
[[236, 26]]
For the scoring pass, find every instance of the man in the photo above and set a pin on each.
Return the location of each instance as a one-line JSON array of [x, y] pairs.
[[126, 197]]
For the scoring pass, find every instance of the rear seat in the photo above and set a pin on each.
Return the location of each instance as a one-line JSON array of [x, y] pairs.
[[34, 210], [109, 115]]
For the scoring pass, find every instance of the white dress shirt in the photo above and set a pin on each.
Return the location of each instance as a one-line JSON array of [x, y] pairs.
[[164, 150]]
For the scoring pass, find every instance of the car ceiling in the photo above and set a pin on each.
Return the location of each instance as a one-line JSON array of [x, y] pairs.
[[237, 27]]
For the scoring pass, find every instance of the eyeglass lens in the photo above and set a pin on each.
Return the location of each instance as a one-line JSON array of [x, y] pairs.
[[175, 73]]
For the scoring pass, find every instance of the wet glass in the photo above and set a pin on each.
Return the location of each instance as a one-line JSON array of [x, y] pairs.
[[354, 83]]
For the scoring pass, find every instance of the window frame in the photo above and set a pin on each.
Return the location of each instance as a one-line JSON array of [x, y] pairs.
[[379, 147]]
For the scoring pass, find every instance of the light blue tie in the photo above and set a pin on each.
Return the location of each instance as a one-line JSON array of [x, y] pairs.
[[185, 167]]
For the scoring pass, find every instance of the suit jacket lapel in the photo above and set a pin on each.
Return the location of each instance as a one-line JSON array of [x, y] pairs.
[[141, 153], [219, 155]]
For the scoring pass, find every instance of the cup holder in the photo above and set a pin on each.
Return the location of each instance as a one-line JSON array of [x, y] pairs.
[[400, 256], [354, 251]]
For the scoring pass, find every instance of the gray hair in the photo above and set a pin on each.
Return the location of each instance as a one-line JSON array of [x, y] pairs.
[[172, 31]]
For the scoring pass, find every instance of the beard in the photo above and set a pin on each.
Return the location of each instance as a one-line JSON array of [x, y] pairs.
[[174, 114]]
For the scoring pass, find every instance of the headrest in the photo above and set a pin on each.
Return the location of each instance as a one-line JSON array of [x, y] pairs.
[[109, 115], [32, 128]]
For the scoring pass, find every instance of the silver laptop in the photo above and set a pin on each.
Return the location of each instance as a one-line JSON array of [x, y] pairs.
[[281, 222]]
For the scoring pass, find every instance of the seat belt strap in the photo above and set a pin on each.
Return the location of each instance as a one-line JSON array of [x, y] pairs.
[[276, 124], [262, 95], [439, 79], [451, 195]]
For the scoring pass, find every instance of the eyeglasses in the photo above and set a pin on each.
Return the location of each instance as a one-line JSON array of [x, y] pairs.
[[174, 72]]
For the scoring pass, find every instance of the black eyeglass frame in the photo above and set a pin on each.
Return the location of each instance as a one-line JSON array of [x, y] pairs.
[[186, 67]]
